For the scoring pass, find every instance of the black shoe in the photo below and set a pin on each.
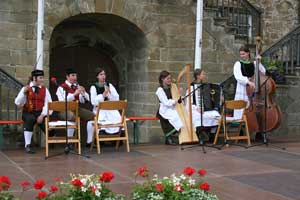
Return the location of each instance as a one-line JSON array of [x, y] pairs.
[[102, 132], [259, 137], [51, 133], [88, 145], [28, 150], [169, 141], [71, 147]]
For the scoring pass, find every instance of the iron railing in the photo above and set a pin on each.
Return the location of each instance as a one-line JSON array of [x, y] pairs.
[[9, 88], [240, 15], [287, 51]]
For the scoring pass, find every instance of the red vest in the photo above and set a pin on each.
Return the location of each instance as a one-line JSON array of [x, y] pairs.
[[35, 101], [70, 90]]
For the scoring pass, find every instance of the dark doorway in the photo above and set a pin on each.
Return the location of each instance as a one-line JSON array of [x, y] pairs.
[[85, 60]]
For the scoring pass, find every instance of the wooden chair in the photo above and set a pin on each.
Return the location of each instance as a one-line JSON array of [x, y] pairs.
[[60, 107], [224, 120], [111, 105]]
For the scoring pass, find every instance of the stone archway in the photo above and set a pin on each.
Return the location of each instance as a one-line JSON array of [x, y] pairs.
[[88, 41]]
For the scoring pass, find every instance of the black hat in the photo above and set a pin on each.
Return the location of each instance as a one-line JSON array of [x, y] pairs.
[[70, 71], [37, 72]]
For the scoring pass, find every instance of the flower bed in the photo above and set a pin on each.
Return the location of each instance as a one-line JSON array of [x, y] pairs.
[[93, 187]]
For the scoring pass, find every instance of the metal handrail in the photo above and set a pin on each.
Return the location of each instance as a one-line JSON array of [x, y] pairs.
[[9, 86], [287, 51]]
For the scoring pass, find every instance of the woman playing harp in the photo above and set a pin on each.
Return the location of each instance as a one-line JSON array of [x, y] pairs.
[[169, 118]]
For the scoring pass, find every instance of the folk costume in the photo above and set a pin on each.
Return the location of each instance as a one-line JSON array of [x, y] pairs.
[[243, 71], [210, 117], [70, 88], [105, 116], [169, 118], [34, 103]]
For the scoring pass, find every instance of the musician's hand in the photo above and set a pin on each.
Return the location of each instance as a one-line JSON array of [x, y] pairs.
[[251, 85], [258, 57], [180, 90], [40, 119], [26, 89], [199, 110], [77, 92], [82, 89]]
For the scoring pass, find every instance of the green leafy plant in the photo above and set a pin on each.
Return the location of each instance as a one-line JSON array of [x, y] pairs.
[[274, 67]]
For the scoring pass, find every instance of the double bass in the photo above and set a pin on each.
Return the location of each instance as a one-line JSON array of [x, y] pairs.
[[263, 115], [187, 133]]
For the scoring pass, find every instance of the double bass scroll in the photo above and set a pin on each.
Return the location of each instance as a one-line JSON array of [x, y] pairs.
[[187, 133]]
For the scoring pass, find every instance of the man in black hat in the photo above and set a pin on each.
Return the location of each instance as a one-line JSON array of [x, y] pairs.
[[34, 98], [75, 92]]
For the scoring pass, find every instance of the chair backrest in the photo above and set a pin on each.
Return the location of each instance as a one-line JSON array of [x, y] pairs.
[[60, 106], [113, 105], [235, 104]]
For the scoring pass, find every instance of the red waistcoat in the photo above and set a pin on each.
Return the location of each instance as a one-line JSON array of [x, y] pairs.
[[70, 90], [35, 101]]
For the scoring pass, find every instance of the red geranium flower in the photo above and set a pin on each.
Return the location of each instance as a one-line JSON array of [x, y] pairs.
[[4, 183], [189, 171], [25, 183], [178, 188], [143, 171], [107, 176], [41, 195], [57, 179], [202, 172], [77, 182], [53, 188], [93, 189], [159, 187], [204, 186], [39, 184]]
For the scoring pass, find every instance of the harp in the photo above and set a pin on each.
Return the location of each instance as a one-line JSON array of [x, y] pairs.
[[187, 133]]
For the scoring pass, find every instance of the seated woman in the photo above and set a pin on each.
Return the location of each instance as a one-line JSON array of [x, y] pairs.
[[103, 91], [169, 118], [209, 118]]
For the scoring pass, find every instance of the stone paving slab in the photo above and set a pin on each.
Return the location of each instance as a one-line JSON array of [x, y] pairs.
[[234, 172]]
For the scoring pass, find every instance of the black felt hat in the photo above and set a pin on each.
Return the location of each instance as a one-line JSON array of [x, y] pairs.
[[70, 71], [37, 72]]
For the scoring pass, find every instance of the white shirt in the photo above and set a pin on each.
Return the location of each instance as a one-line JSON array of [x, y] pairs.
[[96, 98], [60, 93], [21, 99]]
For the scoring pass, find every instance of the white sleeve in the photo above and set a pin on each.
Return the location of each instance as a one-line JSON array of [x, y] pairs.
[[237, 72], [163, 98], [94, 97], [261, 67], [60, 93], [47, 99], [21, 98], [113, 96]]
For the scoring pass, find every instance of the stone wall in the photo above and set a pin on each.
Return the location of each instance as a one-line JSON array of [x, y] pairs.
[[278, 17]]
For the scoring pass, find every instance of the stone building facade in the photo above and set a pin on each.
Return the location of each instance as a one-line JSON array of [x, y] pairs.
[[134, 39]]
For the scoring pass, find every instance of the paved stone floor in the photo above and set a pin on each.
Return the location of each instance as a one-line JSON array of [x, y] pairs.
[[258, 173]]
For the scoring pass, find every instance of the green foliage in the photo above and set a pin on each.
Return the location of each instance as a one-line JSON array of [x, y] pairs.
[[272, 65]]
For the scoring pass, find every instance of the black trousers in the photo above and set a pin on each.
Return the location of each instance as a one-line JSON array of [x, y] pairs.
[[165, 124], [30, 118]]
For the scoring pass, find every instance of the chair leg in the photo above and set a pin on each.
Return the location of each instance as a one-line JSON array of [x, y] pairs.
[[238, 133], [247, 131], [78, 136], [127, 142], [47, 147], [217, 132]]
